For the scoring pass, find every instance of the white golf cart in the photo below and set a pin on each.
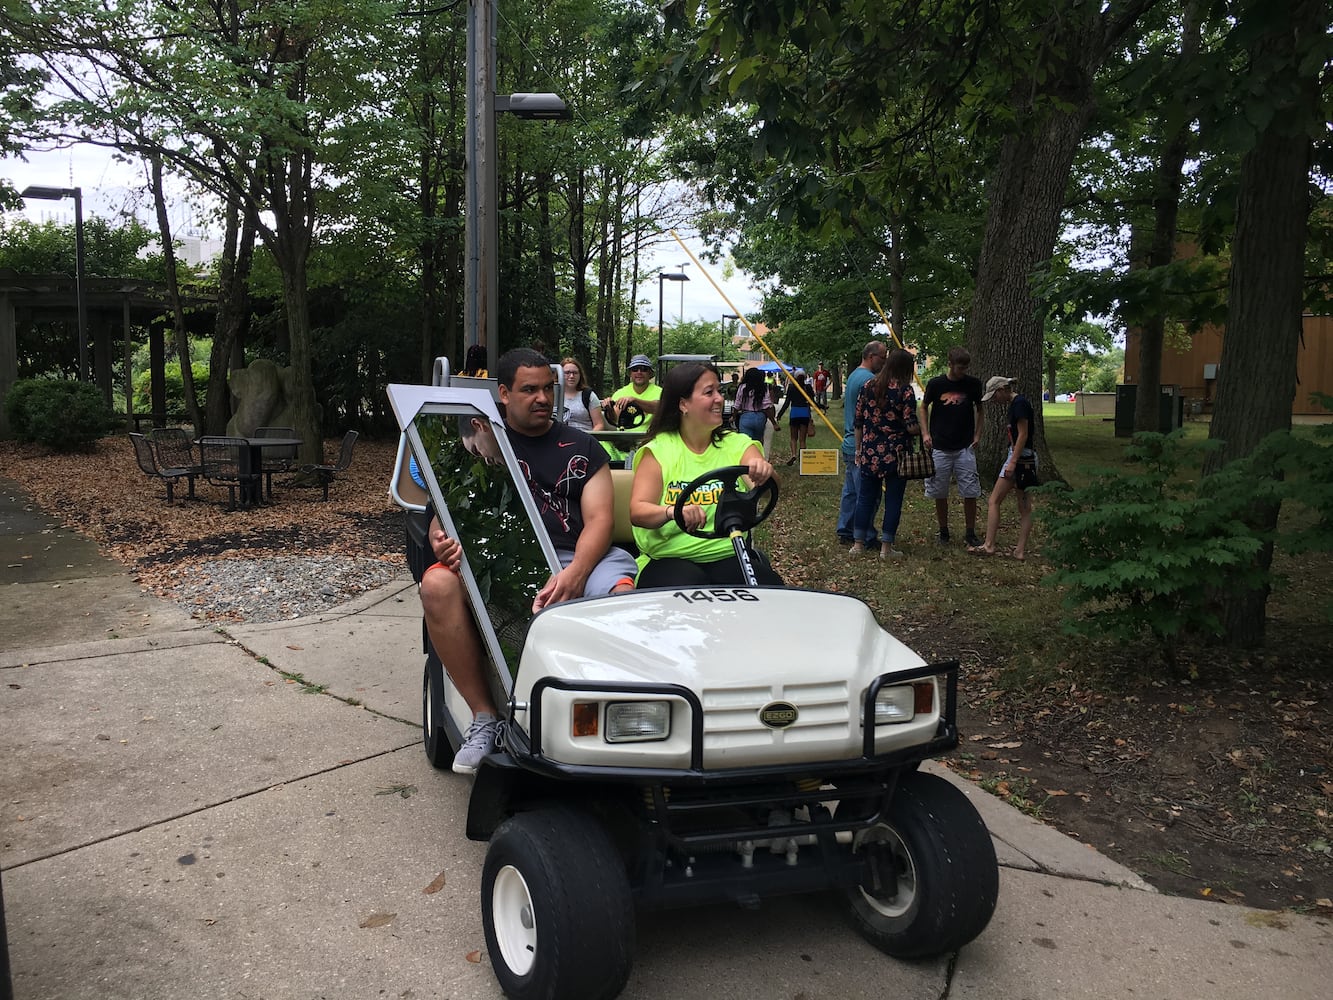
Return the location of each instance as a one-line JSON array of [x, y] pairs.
[[675, 748]]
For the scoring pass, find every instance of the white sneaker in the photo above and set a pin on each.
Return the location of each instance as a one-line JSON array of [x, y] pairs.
[[479, 741]]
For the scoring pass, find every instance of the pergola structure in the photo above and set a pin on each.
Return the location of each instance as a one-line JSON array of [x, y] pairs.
[[114, 305]]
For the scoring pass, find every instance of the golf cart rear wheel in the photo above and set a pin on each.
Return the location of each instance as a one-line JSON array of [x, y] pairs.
[[556, 908], [933, 880], [439, 750]]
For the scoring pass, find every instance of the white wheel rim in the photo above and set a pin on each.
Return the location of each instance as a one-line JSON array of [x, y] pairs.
[[515, 920], [900, 857], [429, 707]]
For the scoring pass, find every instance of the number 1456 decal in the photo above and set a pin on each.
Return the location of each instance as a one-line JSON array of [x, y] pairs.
[[721, 596]]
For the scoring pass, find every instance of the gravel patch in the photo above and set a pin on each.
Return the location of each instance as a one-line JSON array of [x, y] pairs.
[[274, 589]]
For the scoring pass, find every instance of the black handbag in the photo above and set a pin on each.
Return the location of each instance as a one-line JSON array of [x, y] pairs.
[[914, 464], [1025, 473]]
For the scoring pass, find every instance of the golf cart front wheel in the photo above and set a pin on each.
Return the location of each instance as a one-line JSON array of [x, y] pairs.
[[556, 908], [932, 878]]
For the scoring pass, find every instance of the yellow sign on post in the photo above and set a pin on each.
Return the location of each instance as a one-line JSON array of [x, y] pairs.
[[819, 461]]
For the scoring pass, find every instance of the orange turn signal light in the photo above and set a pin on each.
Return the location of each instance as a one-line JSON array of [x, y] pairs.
[[924, 699], [585, 718]]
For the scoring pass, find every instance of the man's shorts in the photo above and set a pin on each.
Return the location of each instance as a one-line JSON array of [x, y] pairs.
[[960, 465], [616, 567]]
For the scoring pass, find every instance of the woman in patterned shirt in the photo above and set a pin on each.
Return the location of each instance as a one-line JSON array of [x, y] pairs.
[[885, 420]]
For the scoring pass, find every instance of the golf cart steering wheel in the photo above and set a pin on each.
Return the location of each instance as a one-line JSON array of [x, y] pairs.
[[631, 416], [734, 509]]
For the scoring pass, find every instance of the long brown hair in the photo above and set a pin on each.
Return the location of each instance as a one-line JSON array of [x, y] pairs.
[[678, 385], [897, 371]]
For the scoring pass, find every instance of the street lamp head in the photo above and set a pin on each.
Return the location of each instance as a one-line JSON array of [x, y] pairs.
[[730, 316], [672, 277], [47, 193], [534, 107]]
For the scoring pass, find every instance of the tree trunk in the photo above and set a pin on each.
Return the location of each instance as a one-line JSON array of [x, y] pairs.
[[305, 408], [233, 314], [1257, 380], [1005, 323], [174, 296], [1162, 251], [1027, 194]]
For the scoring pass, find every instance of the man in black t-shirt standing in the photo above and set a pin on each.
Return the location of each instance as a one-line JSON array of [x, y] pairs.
[[568, 474], [951, 427]]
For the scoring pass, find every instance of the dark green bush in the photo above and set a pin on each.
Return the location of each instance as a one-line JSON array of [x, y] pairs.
[[1153, 552], [16, 406], [63, 415]]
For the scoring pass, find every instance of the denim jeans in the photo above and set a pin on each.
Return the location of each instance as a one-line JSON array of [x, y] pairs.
[[752, 424], [893, 487], [851, 485]]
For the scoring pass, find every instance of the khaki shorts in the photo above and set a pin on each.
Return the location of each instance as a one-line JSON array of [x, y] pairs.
[[959, 465]]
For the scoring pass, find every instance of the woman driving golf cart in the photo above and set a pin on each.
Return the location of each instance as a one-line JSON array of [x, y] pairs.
[[673, 513]]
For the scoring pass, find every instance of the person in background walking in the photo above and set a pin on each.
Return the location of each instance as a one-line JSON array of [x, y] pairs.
[[1011, 478], [753, 409], [820, 379], [884, 421], [872, 360], [798, 391], [951, 429]]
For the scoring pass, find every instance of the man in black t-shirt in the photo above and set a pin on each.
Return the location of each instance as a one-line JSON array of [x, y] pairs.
[[951, 428], [568, 474]]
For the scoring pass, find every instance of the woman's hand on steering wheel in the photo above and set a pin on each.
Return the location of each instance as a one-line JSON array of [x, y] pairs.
[[761, 471], [733, 510]]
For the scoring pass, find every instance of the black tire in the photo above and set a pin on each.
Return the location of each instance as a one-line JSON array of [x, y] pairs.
[[934, 880], [435, 727], [556, 908]]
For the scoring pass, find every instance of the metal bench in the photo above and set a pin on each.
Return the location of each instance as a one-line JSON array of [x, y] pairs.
[[148, 463], [326, 473]]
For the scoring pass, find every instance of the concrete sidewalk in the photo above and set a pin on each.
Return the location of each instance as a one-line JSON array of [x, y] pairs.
[[247, 813]]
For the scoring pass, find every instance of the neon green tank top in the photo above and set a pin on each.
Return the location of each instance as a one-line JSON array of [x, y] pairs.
[[651, 392], [680, 467]]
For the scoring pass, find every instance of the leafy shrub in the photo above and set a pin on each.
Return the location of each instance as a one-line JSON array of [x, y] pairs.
[[1140, 551], [16, 406], [63, 415], [1153, 552], [175, 385]]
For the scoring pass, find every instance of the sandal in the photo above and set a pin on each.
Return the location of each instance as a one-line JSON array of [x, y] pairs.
[[979, 550]]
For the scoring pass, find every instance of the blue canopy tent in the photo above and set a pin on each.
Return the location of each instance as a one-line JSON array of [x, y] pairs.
[[771, 367]]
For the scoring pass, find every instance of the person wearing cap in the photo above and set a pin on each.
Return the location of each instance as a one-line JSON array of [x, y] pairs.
[[640, 388], [1001, 389]]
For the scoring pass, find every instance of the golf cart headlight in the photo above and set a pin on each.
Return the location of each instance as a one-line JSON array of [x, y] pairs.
[[637, 721], [903, 702]]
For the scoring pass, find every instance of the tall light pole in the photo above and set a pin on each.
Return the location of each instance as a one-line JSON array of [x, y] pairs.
[[481, 226], [680, 317], [725, 317], [58, 194], [661, 277]]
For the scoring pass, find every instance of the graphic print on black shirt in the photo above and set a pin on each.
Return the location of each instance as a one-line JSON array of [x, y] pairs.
[[555, 466]]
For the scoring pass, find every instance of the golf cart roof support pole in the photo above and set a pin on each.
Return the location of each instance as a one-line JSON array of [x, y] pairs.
[[757, 339]]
